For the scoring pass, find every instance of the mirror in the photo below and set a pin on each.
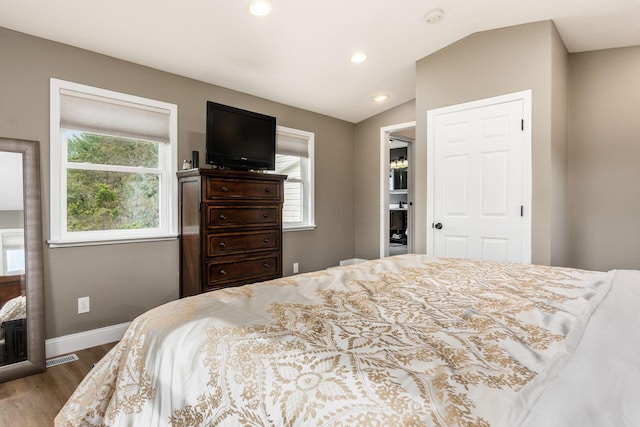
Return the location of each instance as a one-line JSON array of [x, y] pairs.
[[21, 287]]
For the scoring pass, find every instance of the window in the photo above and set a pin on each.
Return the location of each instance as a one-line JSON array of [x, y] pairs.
[[113, 169], [12, 259], [294, 158]]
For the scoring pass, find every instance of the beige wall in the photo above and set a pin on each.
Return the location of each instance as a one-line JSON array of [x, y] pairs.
[[559, 238], [367, 177], [494, 63], [11, 219], [604, 159], [125, 280]]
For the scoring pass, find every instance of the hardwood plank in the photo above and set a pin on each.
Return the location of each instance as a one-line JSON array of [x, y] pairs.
[[37, 399]]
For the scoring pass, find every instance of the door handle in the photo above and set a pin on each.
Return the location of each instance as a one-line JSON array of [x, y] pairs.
[[438, 226]]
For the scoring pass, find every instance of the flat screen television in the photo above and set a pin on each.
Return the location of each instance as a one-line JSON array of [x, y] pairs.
[[240, 139]]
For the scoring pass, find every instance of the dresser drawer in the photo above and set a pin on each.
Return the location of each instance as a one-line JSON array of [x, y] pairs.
[[245, 216], [231, 243], [246, 270], [221, 188]]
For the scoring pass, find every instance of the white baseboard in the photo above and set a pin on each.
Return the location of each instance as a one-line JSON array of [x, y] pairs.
[[352, 261], [74, 342]]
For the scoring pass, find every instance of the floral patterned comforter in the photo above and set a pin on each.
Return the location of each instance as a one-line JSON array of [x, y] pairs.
[[407, 340]]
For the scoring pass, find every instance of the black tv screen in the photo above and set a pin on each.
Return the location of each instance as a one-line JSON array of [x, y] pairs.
[[240, 139]]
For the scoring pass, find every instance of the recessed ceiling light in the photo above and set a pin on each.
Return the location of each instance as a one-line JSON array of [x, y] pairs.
[[260, 7], [358, 57], [433, 16], [381, 98]]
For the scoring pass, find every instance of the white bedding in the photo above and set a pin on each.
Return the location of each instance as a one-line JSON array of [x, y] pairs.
[[408, 340], [600, 385]]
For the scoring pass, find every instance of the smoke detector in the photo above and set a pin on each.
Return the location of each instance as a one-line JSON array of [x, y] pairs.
[[433, 16]]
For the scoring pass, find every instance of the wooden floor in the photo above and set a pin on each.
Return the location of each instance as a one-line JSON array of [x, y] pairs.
[[36, 400]]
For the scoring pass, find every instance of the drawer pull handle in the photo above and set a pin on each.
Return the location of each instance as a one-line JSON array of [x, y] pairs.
[[225, 189], [265, 215], [223, 217], [267, 190], [222, 244], [266, 265], [223, 272], [266, 240]]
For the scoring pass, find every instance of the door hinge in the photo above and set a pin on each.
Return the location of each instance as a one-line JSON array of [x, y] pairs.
[[522, 124], [521, 210]]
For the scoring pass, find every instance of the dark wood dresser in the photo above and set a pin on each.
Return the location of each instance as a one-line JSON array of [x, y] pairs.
[[230, 228]]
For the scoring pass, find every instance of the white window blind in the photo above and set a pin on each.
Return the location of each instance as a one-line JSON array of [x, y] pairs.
[[292, 145], [108, 116]]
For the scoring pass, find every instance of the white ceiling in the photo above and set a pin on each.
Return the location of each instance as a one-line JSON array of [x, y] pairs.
[[10, 181], [299, 55]]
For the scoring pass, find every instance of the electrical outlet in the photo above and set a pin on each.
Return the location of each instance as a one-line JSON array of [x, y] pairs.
[[295, 267], [83, 305]]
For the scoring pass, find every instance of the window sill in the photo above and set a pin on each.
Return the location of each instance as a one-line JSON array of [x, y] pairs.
[[305, 227], [115, 241]]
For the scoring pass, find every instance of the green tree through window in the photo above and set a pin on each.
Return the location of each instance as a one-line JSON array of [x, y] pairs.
[[119, 197]]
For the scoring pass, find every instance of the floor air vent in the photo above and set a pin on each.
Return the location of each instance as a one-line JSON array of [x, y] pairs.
[[62, 359]]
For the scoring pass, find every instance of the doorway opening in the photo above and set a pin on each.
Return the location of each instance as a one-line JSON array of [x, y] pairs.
[[396, 189]]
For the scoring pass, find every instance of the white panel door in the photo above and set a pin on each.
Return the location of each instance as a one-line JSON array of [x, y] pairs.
[[478, 182]]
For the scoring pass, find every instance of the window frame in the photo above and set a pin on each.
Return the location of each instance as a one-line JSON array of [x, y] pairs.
[[59, 165], [308, 180]]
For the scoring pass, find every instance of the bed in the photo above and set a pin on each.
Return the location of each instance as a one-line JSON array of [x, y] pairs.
[[406, 340], [13, 334]]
